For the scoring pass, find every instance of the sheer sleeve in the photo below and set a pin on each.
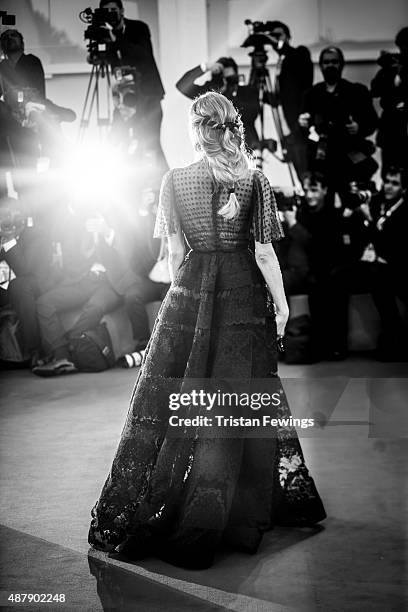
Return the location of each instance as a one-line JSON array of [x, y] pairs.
[[167, 219], [266, 226]]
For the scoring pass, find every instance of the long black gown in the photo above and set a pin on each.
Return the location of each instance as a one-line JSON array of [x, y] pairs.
[[179, 498]]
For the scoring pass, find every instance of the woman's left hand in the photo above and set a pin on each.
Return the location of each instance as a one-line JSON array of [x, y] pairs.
[[281, 319]]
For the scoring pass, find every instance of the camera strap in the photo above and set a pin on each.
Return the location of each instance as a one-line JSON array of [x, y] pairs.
[[387, 214]]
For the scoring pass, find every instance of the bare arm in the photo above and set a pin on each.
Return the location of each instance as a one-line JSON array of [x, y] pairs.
[[177, 251], [268, 264]]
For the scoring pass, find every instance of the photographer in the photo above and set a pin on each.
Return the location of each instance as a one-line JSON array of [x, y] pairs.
[[152, 276], [225, 80], [129, 131], [323, 225], [292, 250], [21, 80], [83, 257], [318, 237], [390, 84], [329, 239], [109, 269], [10, 131], [381, 269], [18, 70], [342, 115], [293, 77], [131, 45], [26, 272], [34, 120]]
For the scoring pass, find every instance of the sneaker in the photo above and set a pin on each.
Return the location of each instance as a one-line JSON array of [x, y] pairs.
[[56, 367], [36, 361], [131, 360]]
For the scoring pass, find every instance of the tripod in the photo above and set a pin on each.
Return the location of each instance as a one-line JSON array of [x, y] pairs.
[[100, 71], [260, 79]]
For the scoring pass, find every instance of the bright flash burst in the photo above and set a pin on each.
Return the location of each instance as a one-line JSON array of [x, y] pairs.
[[94, 174]]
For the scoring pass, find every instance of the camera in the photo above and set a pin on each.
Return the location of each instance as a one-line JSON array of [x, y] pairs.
[[359, 193], [322, 132], [389, 61], [100, 22], [257, 39], [258, 31], [125, 89], [286, 200], [7, 20]]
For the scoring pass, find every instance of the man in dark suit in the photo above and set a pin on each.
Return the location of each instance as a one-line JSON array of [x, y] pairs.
[[21, 81], [293, 77], [390, 84], [19, 70], [292, 250], [25, 272], [33, 119], [132, 43], [343, 116], [327, 239]]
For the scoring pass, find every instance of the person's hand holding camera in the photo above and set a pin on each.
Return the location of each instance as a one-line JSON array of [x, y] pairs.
[[276, 42], [33, 112], [304, 120], [110, 31], [390, 61], [215, 68]]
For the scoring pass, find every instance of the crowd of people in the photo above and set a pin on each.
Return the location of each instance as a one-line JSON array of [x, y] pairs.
[[343, 236], [332, 253]]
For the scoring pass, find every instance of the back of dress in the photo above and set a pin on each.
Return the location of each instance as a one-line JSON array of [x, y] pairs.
[[180, 491], [189, 200]]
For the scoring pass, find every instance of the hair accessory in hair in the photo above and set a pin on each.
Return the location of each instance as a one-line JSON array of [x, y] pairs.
[[221, 126], [230, 124]]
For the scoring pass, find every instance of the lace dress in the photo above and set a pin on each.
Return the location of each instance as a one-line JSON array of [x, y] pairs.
[[180, 497]]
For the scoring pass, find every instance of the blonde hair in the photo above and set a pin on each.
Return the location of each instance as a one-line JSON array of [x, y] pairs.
[[218, 132]]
